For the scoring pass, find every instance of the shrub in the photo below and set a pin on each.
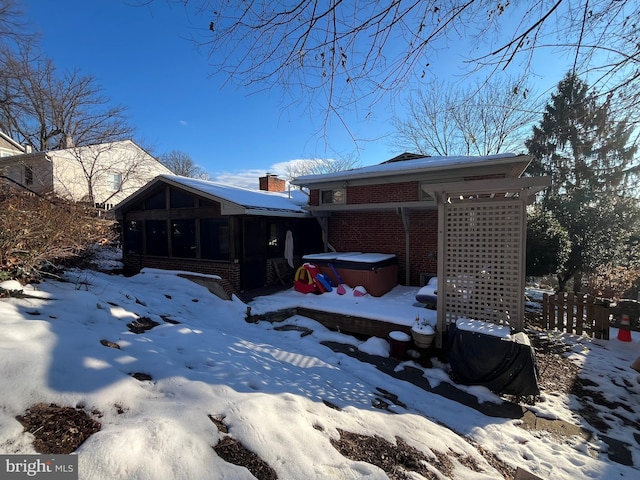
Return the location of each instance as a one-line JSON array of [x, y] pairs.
[[37, 231]]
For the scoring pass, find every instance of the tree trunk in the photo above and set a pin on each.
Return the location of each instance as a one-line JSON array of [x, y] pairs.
[[562, 283], [577, 282]]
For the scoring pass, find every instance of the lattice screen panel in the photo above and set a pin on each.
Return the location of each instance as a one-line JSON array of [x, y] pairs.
[[483, 254]]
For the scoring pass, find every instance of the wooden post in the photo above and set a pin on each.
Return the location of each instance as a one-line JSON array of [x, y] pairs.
[[547, 320], [580, 326], [571, 304], [601, 321], [553, 310]]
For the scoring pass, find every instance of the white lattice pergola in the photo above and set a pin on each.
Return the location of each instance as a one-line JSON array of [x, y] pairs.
[[481, 249]]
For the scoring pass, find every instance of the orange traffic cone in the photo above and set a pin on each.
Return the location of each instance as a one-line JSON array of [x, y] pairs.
[[624, 330]]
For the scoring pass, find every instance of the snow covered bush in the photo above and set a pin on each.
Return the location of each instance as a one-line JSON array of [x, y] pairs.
[[37, 232]]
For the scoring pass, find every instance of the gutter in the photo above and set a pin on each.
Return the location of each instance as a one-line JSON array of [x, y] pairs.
[[308, 180]]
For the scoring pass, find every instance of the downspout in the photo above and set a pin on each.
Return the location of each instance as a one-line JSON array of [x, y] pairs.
[[324, 227], [407, 250]]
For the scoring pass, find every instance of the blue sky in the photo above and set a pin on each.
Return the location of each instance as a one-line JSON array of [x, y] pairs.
[[144, 59]]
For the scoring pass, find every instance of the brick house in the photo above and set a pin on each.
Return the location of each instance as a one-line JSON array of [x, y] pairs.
[[180, 223], [444, 216]]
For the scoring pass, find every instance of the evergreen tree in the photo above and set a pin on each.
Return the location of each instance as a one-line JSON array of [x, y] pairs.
[[588, 156], [548, 243]]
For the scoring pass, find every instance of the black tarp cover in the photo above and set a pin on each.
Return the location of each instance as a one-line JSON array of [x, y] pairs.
[[503, 366]]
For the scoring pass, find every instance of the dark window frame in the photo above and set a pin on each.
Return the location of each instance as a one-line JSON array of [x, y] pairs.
[[333, 196], [183, 238], [156, 240], [215, 239], [28, 175], [181, 199]]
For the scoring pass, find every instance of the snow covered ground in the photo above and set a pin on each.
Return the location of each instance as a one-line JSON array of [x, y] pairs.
[[274, 389]]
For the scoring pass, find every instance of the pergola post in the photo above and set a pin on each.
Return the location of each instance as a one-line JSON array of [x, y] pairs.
[[481, 250]]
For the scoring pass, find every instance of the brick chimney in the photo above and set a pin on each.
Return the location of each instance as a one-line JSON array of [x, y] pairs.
[[271, 183]]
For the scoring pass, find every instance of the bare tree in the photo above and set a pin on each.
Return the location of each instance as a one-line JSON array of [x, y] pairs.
[[342, 52], [47, 110], [13, 29], [483, 119], [182, 164], [104, 173], [317, 166]]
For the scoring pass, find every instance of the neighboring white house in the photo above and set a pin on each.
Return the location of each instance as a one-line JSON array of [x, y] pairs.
[[102, 174], [9, 147]]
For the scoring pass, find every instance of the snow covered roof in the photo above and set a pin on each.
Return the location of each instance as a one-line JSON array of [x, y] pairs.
[[15, 145], [419, 165], [246, 201]]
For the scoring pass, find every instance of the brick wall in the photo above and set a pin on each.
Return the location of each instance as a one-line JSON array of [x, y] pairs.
[[271, 183], [314, 197], [230, 272], [383, 232], [391, 192]]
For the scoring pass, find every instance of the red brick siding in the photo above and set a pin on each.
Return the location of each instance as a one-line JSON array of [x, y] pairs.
[[383, 232], [314, 197], [271, 183], [423, 241], [390, 192], [228, 271]]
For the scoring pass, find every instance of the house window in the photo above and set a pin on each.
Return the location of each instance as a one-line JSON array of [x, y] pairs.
[[214, 238], [28, 175], [180, 199], [133, 237], [114, 181], [183, 238], [157, 240], [332, 196]]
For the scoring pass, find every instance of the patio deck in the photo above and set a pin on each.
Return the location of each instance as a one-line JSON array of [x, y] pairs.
[[367, 316], [361, 326]]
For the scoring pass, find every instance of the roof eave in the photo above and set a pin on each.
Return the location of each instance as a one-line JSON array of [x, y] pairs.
[[521, 162], [265, 212]]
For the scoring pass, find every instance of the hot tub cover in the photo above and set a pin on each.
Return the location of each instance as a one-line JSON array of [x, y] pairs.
[[502, 365], [429, 293], [343, 258]]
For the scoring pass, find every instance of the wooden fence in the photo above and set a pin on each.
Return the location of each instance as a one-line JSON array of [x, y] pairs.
[[576, 314]]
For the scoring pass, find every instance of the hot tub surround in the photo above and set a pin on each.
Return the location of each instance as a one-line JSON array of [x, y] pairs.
[[376, 272]]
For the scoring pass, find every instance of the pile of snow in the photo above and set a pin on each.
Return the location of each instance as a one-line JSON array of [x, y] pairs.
[[272, 388]]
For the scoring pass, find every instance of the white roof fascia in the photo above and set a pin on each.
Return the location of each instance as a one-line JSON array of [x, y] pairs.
[[419, 166], [22, 148]]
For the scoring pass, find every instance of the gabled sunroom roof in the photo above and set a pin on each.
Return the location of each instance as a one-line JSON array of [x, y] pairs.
[[407, 164], [234, 200]]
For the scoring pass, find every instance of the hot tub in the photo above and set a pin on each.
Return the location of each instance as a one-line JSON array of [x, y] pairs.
[[377, 272]]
